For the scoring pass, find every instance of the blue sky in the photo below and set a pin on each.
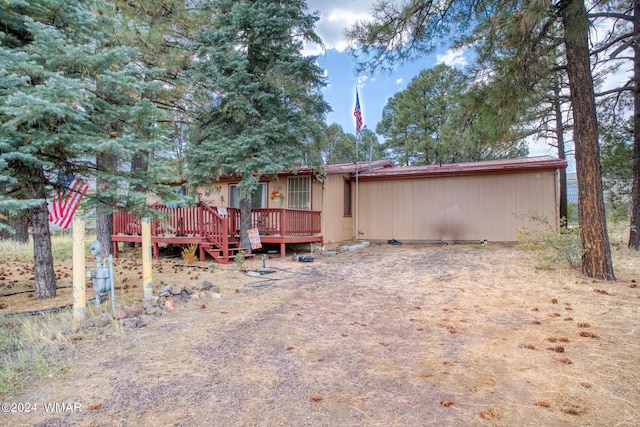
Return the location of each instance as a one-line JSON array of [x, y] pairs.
[[374, 89]]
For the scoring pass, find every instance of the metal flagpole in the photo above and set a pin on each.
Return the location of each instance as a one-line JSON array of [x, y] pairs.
[[357, 113], [357, 193]]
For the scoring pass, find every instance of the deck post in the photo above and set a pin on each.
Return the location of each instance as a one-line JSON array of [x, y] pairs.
[[225, 237], [79, 273], [147, 281]]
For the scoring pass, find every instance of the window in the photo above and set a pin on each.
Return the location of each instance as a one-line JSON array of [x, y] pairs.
[[258, 198], [299, 192], [347, 197]]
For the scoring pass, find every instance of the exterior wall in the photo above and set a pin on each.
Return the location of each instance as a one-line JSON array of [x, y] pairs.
[[217, 194], [335, 226], [455, 208]]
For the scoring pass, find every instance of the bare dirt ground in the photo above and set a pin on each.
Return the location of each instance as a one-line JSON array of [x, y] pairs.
[[411, 335]]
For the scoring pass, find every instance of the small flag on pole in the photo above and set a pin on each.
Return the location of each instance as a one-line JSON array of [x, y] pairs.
[[65, 204], [357, 113]]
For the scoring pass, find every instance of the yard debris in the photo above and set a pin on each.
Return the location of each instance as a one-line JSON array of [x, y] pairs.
[[394, 242]]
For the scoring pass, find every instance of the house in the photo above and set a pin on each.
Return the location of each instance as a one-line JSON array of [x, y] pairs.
[[475, 201]]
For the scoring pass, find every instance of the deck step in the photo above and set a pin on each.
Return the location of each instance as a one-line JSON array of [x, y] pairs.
[[217, 252]]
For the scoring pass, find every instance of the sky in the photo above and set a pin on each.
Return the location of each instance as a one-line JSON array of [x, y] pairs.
[[374, 89]]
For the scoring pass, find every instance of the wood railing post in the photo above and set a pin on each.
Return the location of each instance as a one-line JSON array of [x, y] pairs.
[[225, 237], [283, 222]]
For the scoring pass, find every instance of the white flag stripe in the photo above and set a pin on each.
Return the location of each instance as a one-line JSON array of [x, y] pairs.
[[64, 206]]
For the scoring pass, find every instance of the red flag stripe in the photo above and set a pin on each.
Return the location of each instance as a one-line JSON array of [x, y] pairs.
[[357, 113], [64, 206]]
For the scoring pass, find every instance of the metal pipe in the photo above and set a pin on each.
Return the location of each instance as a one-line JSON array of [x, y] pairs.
[[113, 288]]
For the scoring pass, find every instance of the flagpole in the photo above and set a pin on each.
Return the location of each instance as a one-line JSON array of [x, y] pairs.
[[357, 193], [357, 113]]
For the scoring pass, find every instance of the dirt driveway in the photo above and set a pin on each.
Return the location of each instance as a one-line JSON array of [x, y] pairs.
[[411, 335]]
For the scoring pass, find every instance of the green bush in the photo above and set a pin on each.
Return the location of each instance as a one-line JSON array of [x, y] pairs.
[[552, 247]]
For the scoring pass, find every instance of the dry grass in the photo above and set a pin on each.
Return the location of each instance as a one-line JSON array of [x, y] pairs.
[[189, 255], [407, 335]]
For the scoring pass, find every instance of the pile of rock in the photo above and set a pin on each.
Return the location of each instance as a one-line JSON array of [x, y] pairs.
[[145, 312]]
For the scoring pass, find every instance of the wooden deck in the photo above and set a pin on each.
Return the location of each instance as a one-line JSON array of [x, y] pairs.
[[217, 232]]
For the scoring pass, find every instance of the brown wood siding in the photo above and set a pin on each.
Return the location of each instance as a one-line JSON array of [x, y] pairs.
[[456, 208], [335, 226]]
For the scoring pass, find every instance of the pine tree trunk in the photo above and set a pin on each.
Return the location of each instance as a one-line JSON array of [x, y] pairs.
[[596, 261], [245, 224], [45, 281], [20, 226], [564, 209], [104, 230], [634, 233], [104, 217]]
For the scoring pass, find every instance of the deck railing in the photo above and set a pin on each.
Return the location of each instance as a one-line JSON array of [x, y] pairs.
[[206, 221], [286, 222]]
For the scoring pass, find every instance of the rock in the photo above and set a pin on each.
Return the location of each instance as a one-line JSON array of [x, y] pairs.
[[97, 322], [175, 290], [214, 294], [165, 291], [169, 304], [129, 323], [134, 310], [187, 290], [149, 303], [146, 319], [154, 311], [356, 247], [208, 286], [120, 314]]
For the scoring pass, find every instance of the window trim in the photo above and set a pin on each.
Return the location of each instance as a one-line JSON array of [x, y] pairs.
[[347, 204], [308, 191], [264, 201]]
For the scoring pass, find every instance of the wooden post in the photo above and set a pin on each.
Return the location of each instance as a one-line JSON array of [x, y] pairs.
[[79, 274], [147, 280]]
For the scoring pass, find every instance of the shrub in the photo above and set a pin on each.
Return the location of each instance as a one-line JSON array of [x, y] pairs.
[[559, 247], [189, 254]]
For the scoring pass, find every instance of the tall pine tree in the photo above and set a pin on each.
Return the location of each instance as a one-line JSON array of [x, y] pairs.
[[68, 95], [258, 105], [400, 32]]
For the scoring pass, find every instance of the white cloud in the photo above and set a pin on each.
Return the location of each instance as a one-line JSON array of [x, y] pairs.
[[361, 81], [335, 17], [453, 58], [399, 81]]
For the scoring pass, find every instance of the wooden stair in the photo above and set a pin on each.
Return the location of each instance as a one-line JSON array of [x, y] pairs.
[[218, 253]]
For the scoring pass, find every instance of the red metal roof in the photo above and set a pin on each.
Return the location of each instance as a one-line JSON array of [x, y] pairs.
[[468, 168], [362, 166]]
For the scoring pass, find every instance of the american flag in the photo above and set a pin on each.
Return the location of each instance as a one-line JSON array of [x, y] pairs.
[[65, 204], [357, 113]]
